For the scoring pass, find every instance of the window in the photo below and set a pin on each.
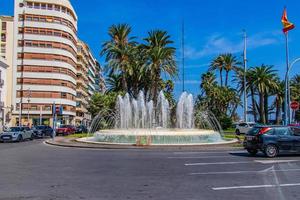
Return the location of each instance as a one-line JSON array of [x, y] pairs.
[[4, 26], [3, 37], [50, 7], [43, 6], [29, 4], [57, 7], [36, 5], [63, 95], [282, 131]]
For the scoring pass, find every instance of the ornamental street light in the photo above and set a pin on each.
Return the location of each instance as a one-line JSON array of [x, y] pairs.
[[288, 90]]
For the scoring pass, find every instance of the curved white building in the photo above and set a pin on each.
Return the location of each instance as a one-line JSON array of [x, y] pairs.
[[45, 64]]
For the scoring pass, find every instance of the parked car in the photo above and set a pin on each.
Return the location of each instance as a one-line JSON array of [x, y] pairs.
[[81, 129], [16, 134], [244, 127], [272, 140], [42, 131], [65, 130]]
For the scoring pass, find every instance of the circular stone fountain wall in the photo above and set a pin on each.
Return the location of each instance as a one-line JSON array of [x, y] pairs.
[[138, 122]]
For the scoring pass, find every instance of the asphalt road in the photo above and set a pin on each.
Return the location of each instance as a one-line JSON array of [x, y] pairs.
[[33, 170]]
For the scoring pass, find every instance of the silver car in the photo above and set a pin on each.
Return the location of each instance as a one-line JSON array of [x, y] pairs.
[[16, 134], [244, 127]]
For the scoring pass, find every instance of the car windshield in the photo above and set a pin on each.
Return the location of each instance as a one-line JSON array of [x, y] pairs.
[[14, 129], [39, 127]]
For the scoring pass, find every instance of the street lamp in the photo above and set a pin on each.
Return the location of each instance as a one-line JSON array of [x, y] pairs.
[[288, 92], [28, 100]]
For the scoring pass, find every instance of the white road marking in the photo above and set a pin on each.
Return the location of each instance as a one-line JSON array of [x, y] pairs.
[[200, 152], [256, 186], [195, 157], [208, 152], [244, 172], [242, 162], [217, 163], [274, 161]]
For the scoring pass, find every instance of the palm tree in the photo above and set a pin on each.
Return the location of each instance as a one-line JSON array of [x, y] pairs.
[[217, 64], [264, 80], [160, 58], [229, 63], [279, 98], [118, 51], [208, 81], [295, 88], [114, 83]]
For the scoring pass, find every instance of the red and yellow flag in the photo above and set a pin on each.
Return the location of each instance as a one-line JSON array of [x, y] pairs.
[[287, 26]]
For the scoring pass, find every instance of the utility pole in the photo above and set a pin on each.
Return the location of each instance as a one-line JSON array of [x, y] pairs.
[[28, 101], [183, 56], [245, 79]]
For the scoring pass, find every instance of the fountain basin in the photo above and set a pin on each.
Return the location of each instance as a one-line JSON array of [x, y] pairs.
[[147, 137]]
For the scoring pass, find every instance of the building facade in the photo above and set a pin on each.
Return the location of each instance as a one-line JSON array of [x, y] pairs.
[[89, 81], [3, 91], [45, 61], [6, 52]]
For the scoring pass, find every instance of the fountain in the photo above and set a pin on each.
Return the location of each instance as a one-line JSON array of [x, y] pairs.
[[136, 121]]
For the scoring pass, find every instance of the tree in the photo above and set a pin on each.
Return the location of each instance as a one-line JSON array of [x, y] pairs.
[[264, 79], [114, 83], [229, 63], [295, 88], [100, 102], [118, 51], [160, 58], [217, 64]]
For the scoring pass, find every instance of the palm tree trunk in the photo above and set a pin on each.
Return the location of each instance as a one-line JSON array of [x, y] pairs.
[[266, 108], [253, 104], [226, 79], [221, 78], [124, 81], [278, 112], [262, 108]]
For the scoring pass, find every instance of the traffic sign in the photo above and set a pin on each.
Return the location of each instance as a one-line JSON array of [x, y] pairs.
[[295, 105]]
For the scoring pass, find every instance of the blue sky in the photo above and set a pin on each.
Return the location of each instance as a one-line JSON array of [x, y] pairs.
[[212, 27]]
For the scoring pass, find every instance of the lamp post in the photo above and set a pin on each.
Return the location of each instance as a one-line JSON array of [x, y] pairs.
[[288, 100], [28, 100]]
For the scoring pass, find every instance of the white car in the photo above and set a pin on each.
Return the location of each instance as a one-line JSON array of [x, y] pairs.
[[16, 134], [244, 127]]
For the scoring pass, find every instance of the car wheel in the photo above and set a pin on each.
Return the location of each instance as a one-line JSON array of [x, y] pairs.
[[252, 152], [237, 132], [271, 151], [20, 138], [31, 137]]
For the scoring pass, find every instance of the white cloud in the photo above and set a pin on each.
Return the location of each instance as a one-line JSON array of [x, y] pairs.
[[218, 43]]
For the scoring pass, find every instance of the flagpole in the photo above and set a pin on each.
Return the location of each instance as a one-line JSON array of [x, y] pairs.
[[286, 104], [183, 57], [245, 80]]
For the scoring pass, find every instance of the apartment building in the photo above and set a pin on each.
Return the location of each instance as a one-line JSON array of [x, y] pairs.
[[45, 55], [3, 92], [6, 52], [89, 81]]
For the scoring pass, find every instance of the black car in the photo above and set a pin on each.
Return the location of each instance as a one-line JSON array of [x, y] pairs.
[[272, 140], [42, 131], [81, 129]]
